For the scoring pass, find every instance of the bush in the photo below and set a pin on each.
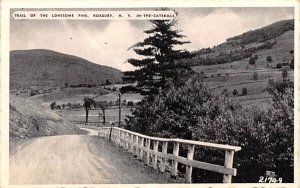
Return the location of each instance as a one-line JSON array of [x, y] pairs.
[[279, 66], [53, 105], [269, 59], [256, 56], [235, 92], [255, 76], [252, 61], [244, 91], [284, 73], [192, 112]]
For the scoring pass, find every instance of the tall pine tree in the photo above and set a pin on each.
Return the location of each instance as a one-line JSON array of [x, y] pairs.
[[160, 63]]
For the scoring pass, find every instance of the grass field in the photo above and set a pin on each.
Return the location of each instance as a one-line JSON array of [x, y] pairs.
[[239, 74]]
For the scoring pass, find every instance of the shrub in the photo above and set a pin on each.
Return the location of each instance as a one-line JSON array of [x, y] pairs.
[[107, 82], [53, 105], [278, 65], [252, 61], [244, 91], [235, 92], [192, 112], [130, 103], [256, 56], [269, 59], [219, 74], [255, 76], [284, 73]]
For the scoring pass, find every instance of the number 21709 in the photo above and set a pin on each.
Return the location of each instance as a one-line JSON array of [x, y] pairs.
[[263, 179]]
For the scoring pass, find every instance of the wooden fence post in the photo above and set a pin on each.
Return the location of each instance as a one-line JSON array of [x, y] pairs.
[[163, 160], [147, 153], [137, 143], [189, 169], [131, 143], [127, 140], [175, 163], [119, 137], [140, 156], [154, 159], [228, 164]]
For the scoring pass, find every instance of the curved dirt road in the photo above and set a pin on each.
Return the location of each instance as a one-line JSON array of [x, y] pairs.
[[77, 159]]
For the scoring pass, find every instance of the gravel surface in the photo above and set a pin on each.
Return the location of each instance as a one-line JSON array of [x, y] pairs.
[[79, 159]]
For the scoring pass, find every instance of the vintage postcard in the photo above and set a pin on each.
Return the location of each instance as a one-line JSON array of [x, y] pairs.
[[156, 94]]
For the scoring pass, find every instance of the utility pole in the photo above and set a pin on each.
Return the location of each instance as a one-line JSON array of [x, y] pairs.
[[119, 109]]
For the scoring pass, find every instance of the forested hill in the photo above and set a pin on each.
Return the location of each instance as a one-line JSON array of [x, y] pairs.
[[40, 67], [245, 45], [265, 33]]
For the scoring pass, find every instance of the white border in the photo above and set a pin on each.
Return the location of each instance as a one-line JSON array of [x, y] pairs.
[[4, 71]]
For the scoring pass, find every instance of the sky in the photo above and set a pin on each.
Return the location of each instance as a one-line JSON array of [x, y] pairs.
[[107, 42]]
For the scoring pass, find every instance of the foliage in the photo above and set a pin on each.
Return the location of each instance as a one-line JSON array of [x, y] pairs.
[[235, 92], [251, 60], [269, 59], [278, 65], [284, 73], [255, 76], [244, 91], [159, 64], [53, 105], [87, 104], [256, 56], [192, 112]]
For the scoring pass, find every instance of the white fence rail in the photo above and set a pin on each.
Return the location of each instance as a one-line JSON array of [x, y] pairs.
[[139, 145]]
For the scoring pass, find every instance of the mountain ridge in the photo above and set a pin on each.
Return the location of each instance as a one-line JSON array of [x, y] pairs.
[[42, 67]]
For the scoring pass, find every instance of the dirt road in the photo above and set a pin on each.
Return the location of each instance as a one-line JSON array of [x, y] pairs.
[[78, 159]]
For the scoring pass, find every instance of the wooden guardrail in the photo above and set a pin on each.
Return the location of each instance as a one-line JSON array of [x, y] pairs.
[[139, 145]]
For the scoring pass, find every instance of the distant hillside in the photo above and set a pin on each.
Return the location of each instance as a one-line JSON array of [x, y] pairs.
[[265, 33], [44, 68], [244, 46]]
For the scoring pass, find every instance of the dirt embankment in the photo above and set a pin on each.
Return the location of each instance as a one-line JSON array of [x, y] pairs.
[[28, 119]]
